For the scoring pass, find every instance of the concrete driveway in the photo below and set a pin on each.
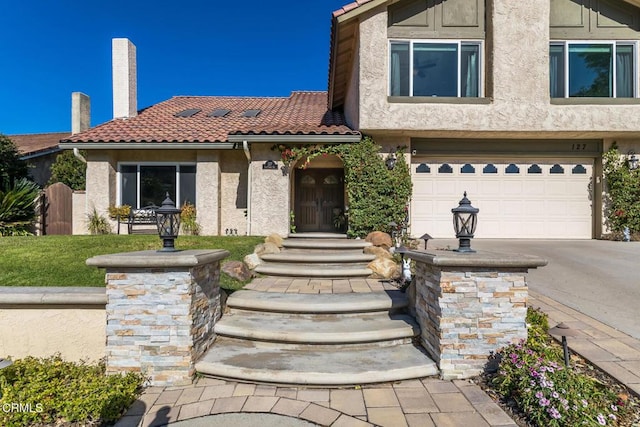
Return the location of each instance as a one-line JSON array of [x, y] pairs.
[[599, 278]]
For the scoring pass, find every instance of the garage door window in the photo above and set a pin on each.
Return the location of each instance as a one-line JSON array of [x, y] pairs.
[[490, 168], [467, 169], [578, 170], [556, 169], [445, 169], [534, 169], [423, 168], [512, 169]]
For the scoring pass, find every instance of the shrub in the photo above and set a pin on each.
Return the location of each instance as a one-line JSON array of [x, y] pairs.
[[58, 392], [622, 202], [119, 211], [533, 375], [98, 224], [69, 170], [188, 220], [17, 208]]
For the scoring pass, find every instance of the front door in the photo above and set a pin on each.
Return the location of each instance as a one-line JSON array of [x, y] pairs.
[[319, 197]]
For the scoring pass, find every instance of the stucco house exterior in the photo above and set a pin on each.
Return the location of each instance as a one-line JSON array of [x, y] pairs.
[[513, 102]]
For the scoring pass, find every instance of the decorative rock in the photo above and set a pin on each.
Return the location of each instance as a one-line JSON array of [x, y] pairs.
[[266, 248], [378, 252], [379, 238], [384, 268], [274, 238], [236, 270], [252, 261]]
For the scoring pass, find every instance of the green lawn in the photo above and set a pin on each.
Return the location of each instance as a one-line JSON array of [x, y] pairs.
[[60, 260]]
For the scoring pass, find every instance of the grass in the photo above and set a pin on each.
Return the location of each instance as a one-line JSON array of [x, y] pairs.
[[60, 260]]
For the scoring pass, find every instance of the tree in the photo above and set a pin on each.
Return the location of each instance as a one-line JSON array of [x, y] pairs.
[[69, 170], [12, 168]]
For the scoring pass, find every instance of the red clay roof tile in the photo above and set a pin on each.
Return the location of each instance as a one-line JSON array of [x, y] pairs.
[[36, 142], [303, 113]]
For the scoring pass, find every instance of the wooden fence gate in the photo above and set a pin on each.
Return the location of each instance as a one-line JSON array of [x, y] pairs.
[[58, 209]]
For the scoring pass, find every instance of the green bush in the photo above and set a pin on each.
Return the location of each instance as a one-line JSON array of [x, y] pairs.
[[17, 208], [622, 202], [57, 391], [69, 170], [533, 375], [12, 169]]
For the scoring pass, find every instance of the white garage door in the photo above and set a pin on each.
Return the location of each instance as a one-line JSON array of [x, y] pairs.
[[521, 198]]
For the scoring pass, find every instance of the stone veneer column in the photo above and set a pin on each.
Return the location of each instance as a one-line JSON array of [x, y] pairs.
[[469, 305], [161, 309]]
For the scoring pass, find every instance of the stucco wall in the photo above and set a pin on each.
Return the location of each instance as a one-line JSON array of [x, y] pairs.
[[518, 104], [101, 181], [270, 189], [208, 192], [75, 333], [351, 102], [79, 209], [233, 193]]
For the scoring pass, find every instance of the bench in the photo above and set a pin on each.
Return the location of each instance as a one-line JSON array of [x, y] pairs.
[[142, 216]]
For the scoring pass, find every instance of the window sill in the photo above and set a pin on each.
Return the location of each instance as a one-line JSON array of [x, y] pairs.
[[436, 100], [595, 101]]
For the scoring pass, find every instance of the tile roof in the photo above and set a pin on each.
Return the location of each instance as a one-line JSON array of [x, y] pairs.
[[302, 113], [30, 144], [349, 7]]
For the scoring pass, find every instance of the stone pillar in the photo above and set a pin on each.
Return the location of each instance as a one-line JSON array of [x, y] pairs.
[[161, 310], [469, 305]]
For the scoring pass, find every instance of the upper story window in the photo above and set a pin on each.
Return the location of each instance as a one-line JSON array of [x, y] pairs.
[[435, 68], [606, 69]]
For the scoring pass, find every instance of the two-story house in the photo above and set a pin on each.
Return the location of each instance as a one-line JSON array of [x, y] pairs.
[[513, 102]]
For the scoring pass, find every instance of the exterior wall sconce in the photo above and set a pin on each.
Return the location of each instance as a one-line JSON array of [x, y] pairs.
[[391, 161], [270, 164], [633, 161], [464, 222], [564, 331], [168, 219]]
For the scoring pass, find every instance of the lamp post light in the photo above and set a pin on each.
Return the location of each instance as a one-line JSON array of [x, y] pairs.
[[564, 331], [633, 161], [464, 222], [168, 219]]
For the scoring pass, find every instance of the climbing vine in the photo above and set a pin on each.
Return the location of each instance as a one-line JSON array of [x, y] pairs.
[[622, 202], [377, 196]]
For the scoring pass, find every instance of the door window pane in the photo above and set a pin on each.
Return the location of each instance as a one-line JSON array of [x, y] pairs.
[[434, 65], [155, 182], [590, 70], [399, 69], [187, 185], [129, 185]]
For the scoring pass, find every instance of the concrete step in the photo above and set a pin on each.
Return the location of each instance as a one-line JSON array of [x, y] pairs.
[[255, 361], [389, 301], [334, 244], [319, 256], [313, 270], [315, 235], [318, 329]]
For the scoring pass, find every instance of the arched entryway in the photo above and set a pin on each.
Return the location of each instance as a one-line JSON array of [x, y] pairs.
[[318, 195]]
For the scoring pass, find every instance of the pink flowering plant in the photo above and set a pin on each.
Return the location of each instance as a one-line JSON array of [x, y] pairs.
[[532, 374]]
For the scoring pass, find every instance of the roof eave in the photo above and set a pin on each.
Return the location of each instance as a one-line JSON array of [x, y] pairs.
[[105, 145], [298, 139]]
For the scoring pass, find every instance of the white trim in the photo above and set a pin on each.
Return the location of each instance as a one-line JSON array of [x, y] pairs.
[[459, 43]]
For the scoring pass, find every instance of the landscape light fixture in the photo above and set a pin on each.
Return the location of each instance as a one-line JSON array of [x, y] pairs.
[[564, 331], [168, 219], [464, 222], [426, 238], [633, 161]]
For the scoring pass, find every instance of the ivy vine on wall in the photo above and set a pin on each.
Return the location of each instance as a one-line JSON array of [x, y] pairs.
[[376, 195], [622, 200]]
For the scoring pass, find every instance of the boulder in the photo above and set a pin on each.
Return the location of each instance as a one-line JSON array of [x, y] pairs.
[[252, 261], [384, 268], [266, 248], [379, 238], [378, 252], [236, 270], [274, 238]]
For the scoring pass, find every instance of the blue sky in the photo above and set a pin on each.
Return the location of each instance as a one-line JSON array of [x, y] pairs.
[[49, 49]]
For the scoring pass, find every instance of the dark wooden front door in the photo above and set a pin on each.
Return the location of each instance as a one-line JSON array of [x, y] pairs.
[[319, 194]]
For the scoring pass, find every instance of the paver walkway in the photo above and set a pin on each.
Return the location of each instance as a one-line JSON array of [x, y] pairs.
[[414, 403]]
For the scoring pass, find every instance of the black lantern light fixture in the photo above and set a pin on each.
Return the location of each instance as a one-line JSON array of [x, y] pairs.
[[168, 219], [464, 222], [564, 331], [633, 161], [391, 161]]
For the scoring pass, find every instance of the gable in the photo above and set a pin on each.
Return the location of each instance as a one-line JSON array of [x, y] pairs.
[[437, 19], [594, 19]]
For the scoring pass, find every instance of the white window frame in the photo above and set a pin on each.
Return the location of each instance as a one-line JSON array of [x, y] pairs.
[[178, 202], [460, 43], [615, 44]]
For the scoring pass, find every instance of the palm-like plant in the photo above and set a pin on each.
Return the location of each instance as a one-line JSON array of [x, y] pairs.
[[17, 208]]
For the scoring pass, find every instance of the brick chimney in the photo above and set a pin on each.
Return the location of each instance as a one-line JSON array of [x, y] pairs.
[[125, 102], [80, 112]]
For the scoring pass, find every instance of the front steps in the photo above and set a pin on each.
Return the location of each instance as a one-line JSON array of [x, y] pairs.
[[316, 255], [316, 339]]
